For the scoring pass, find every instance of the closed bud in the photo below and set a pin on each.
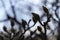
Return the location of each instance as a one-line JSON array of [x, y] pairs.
[[4, 28]]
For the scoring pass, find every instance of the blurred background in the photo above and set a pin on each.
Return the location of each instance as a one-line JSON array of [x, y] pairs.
[[23, 10]]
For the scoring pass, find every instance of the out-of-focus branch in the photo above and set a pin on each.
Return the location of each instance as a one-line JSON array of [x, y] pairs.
[[56, 8]]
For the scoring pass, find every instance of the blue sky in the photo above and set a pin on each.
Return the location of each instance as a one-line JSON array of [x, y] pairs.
[[22, 12]]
